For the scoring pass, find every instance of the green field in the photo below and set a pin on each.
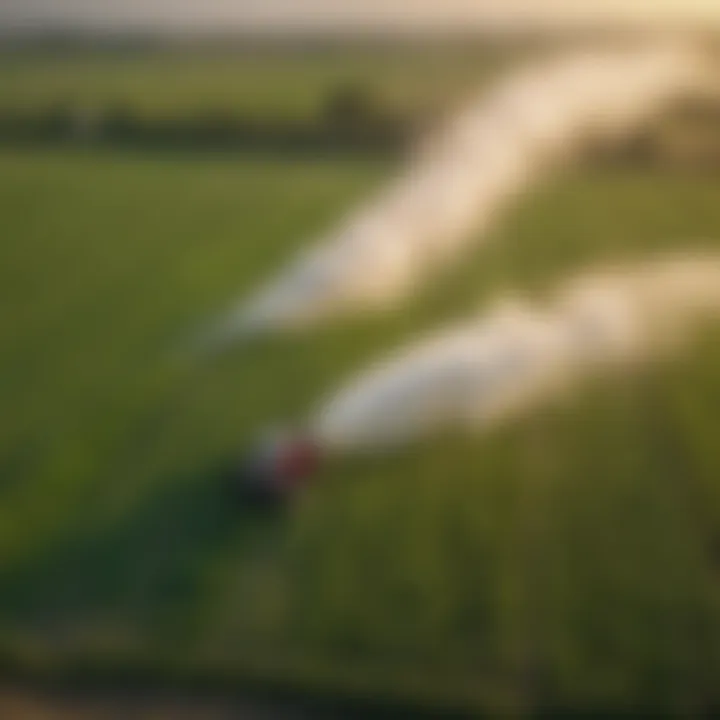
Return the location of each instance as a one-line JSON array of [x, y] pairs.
[[569, 558]]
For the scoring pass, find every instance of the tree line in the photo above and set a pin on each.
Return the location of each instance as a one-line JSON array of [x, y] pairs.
[[350, 118]]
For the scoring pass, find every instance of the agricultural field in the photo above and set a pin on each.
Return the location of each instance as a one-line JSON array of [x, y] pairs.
[[286, 85], [568, 559]]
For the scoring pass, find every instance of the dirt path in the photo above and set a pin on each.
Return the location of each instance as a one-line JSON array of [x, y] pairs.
[[24, 703]]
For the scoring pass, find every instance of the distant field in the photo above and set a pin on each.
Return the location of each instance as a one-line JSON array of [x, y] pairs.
[[291, 84], [568, 558]]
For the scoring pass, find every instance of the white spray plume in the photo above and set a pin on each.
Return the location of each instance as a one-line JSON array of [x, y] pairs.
[[509, 358], [457, 183]]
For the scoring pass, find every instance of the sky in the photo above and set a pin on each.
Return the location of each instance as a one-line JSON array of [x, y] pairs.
[[309, 14]]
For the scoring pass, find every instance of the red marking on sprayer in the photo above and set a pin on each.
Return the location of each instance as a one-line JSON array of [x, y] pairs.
[[296, 462]]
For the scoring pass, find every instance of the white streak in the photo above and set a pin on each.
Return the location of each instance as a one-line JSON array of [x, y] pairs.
[[513, 356], [453, 191]]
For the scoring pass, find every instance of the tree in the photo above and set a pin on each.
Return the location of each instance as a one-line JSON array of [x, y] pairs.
[[351, 105]]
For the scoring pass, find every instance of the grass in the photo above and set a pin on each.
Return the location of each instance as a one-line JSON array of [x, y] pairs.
[[567, 559]]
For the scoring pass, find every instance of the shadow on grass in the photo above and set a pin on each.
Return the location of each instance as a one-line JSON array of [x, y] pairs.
[[147, 568]]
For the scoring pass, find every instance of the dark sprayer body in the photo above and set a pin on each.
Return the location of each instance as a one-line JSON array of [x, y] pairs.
[[275, 471]]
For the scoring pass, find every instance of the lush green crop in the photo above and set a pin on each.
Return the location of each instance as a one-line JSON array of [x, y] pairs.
[[565, 558]]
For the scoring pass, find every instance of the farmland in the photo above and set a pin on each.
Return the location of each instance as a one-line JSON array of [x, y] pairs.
[[286, 84], [568, 559]]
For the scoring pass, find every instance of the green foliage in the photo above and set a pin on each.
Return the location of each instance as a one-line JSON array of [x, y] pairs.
[[566, 559]]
